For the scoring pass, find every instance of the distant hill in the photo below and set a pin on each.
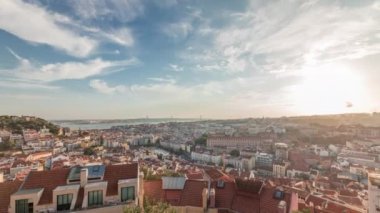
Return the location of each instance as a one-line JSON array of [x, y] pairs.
[[16, 124]]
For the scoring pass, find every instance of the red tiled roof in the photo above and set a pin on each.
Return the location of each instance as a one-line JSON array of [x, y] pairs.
[[352, 200], [224, 196], [246, 203], [268, 204], [194, 175], [346, 192], [114, 173], [334, 207], [48, 180], [192, 193], [6, 190], [214, 174], [173, 196], [153, 189], [317, 201]]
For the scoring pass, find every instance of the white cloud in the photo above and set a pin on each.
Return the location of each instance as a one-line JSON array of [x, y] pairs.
[[285, 36], [122, 10], [34, 24], [176, 68], [164, 80], [121, 36], [67, 70], [102, 87], [179, 30]]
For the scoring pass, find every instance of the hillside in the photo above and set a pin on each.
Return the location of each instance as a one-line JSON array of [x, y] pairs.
[[16, 124]]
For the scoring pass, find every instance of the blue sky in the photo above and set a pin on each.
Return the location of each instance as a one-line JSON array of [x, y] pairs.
[[219, 59]]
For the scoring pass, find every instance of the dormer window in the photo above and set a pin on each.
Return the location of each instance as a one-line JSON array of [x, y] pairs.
[[95, 198], [22, 206], [220, 184], [64, 202], [278, 195], [128, 193]]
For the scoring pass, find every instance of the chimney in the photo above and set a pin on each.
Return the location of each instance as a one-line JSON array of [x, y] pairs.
[[83, 176], [281, 208], [212, 198], [204, 198], [1, 177]]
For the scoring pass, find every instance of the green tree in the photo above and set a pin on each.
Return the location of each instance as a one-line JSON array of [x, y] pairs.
[[235, 153], [158, 141], [202, 141], [88, 151], [157, 207], [6, 145]]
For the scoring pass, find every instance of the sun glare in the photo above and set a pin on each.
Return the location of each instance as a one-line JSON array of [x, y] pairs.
[[330, 89]]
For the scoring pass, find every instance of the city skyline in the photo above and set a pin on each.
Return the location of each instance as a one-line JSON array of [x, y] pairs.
[[129, 59]]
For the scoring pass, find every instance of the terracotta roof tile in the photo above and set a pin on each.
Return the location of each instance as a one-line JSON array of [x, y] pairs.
[[114, 173], [352, 201], [48, 180], [268, 203], [6, 190], [153, 189], [173, 197], [336, 208], [246, 203], [224, 196], [317, 201], [346, 192], [194, 175], [192, 193]]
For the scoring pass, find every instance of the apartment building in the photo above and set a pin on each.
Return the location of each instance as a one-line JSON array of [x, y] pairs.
[[90, 188]]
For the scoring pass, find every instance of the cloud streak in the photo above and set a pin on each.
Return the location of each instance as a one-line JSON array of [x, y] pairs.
[[34, 24], [26, 70], [285, 36], [103, 87]]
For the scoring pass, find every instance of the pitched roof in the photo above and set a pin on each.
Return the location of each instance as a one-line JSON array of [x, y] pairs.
[[192, 193], [224, 196], [352, 201], [194, 175], [246, 203], [114, 173], [48, 180], [269, 204], [6, 190], [317, 201], [153, 189], [346, 192], [173, 197], [335, 207]]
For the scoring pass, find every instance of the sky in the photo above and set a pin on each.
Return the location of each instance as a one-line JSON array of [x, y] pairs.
[[117, 59]]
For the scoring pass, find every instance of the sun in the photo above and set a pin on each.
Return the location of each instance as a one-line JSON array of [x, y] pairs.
[[330, 89]]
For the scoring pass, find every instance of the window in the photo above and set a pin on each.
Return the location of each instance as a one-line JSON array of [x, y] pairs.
[[279, 195], [127, 193], [64, 202], [220, 184], [95, 198], [22, 206]]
